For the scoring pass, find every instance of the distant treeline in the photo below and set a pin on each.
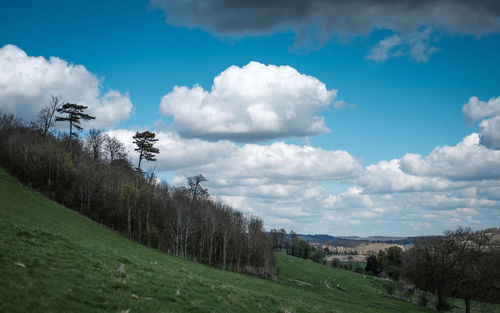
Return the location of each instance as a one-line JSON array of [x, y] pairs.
[[293, 245], [463, 263], [94, 177], [350, 242]]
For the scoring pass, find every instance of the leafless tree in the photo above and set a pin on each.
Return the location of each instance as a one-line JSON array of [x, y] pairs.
[[114, 148], [459, 264], [196, 189], [182, 220], [95, 142], [46, 114]]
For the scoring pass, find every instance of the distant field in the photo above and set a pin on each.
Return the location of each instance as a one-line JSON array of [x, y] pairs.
[[55, 260], [345, 257]]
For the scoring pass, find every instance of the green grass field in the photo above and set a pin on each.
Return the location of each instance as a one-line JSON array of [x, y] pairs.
[[53, 259]]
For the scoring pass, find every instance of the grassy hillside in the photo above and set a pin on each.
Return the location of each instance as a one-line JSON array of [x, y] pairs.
[[55, 260]]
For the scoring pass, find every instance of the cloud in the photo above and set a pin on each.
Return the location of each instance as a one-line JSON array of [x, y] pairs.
[[338, 104], [475, 109], [387, 177], [417, 45], [262, 17], [420, 44], [385, 48], [489, 112], [322, 20], [276, 181], [281, 161], [27, 82], [468, 160], [175, 152], [282, 184], [251, 103], [379, 198], [250, 164], [286, 184], [490, 132]]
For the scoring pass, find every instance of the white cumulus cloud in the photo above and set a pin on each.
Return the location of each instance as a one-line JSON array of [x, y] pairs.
[[249, 165], [387, 176], [284, 161], [27, 82], [251, 103], [468, 160], [176, 152], [489, 112], [475, 109]]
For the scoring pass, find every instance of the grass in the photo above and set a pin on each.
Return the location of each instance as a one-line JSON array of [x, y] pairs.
[[53, 259]]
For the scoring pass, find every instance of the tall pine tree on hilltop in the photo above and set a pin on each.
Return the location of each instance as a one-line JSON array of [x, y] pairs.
[[73, 114], [144, 142]]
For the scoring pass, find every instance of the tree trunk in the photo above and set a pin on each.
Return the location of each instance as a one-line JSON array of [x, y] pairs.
[[138, 213], [147, 227], [48, 180], [440, 305], [89, 196], [186, 236], [70, 134], [210, 249], [129, 223], [140, 159], [224, 249], [81, 199]]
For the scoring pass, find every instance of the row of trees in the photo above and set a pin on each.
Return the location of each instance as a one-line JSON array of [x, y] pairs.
[[462, 263], [94, 177], [388, 261], [293, 245], [74, 114]]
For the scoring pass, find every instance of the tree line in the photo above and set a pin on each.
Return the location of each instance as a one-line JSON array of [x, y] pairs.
[[462, 264], [292, 245], [93, 176]]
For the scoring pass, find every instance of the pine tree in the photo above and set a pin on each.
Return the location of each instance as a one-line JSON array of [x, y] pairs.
[[74, 114], [144, 142]]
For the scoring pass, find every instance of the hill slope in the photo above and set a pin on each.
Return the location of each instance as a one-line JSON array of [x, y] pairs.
[[55, 260]]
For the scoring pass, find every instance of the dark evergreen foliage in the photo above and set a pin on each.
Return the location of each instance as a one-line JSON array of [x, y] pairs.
[[73, 113], [145, 146]]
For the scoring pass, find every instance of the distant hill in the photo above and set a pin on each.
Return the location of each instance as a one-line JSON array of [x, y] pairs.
[[353, 241]]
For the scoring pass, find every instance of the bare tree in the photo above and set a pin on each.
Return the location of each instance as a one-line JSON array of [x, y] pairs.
[[114, 148], [459, 264], [472, 273], [8, 120], [184, 221], [429, 265], [129, 196], [95, 142], [195, 187], [46, 114]]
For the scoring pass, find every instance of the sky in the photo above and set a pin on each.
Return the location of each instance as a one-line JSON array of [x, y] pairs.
[[323, 117]]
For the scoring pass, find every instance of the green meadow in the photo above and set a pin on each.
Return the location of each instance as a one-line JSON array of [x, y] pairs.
[[53, 259]]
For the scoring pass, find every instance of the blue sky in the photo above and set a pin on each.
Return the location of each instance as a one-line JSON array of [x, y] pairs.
[[406, 98]]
